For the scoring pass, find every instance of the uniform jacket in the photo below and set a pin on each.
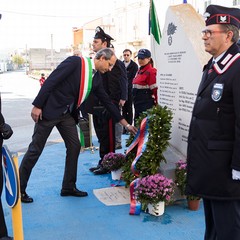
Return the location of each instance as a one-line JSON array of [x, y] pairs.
[[146, 76], [214, 134], [115, 82], [60, 91]]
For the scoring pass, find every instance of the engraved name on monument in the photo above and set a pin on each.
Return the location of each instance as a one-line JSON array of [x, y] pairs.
[[180, 60]]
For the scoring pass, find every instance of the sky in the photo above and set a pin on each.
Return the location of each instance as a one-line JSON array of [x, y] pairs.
[[31, 23]]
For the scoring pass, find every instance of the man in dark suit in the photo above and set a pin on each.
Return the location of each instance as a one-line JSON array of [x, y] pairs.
[[53, 107], [213, 155], [131, 68]]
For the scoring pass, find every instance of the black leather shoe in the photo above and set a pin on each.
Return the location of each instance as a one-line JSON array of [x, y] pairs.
[[101, 171], [92, 169], [25, 198], [73, 192]]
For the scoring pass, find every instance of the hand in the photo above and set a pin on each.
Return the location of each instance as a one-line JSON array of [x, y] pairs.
[[122, 102], [132, 129], [6, 131], [36, 114], [235, 175]]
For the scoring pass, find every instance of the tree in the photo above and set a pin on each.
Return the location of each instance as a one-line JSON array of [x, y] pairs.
[[18, 60]]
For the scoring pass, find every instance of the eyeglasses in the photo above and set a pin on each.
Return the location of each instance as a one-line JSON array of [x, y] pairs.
[[126, 55], [208, 33]]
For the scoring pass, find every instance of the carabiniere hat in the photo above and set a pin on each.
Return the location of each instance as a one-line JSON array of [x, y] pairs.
[[100, 34], [143, 53], [222, 15]]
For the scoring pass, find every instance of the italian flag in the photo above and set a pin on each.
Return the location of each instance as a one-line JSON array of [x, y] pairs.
[[154, 30]]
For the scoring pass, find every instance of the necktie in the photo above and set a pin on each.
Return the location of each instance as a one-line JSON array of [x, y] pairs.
[[94, 71], [211, 67]]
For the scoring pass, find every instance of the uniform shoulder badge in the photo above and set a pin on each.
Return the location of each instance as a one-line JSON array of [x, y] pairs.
[[217, 92]]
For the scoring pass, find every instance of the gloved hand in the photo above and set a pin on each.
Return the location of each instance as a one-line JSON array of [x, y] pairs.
[[235, 175], [6, 131]]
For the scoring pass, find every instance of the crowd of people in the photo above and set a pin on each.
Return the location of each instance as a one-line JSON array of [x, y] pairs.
[[117, 86]]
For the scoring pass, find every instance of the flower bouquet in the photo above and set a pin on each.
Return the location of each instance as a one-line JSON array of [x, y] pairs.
[[153, 189], [181, 175], [114, 162]]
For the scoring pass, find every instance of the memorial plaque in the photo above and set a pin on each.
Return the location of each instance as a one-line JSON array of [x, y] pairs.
[[180, 60]]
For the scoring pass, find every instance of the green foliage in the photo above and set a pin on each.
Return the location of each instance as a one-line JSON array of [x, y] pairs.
[[181, 179], [18, 60], [191, 197], [181, 175], [159, 120]]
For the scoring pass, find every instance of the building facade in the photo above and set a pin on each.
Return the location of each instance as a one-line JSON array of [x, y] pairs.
[[128, 23]]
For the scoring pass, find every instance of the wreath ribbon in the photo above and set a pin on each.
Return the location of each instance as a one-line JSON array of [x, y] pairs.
[[140, 141], [135, 206]]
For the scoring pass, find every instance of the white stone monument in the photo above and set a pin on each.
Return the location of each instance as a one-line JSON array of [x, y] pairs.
[[180, 60]]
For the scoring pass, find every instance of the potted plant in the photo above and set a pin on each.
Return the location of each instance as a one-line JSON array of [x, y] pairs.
[[180, 176], [114, 162], [180, 180], [193, 202], [153, 191]]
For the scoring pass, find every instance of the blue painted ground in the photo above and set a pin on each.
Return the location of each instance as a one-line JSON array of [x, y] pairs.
[[53, 217]]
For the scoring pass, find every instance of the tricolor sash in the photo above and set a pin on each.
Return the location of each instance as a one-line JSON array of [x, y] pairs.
[[85, 80], [85, 86], [140, 141]]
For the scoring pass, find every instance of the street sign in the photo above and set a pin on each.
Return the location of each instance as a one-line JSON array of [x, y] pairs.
[[10, 177]]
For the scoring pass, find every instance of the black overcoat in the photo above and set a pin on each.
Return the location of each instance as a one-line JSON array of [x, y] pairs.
[[214, 134]]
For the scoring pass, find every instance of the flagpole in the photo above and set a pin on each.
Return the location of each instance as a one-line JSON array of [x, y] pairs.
[[149, 17]]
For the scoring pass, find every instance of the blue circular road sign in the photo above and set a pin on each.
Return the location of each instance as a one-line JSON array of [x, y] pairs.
[[10, 177]]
